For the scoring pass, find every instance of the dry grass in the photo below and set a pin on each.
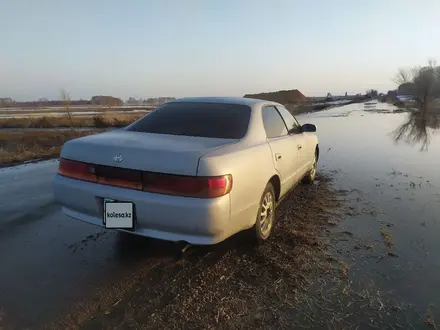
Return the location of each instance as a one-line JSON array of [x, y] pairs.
[[105, 120], [430, 319], [388, 237], [19, 146], [22, 111]]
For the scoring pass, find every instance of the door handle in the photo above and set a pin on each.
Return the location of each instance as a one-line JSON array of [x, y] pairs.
[[277, 156], [299, 146]]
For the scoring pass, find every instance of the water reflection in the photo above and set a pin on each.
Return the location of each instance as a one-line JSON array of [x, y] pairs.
[[417, 129]]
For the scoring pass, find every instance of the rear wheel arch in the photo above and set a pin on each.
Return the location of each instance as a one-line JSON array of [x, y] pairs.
[[276, 184]]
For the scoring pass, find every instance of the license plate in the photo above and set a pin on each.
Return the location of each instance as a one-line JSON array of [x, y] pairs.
[[118, 214]]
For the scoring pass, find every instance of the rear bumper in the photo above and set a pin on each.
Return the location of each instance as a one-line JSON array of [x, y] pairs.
[[172, 218]]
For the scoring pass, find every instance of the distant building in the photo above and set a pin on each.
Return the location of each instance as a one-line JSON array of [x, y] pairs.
[[106, 100], [6, 101]]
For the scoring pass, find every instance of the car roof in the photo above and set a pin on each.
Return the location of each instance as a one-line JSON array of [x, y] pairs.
[[227, 100]]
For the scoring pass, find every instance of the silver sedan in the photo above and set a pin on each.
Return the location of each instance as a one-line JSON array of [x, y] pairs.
[[196, 170]]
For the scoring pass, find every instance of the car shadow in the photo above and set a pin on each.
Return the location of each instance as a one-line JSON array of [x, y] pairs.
[[132, 248]]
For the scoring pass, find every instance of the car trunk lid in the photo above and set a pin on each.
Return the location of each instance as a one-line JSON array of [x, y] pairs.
[[160, 153]]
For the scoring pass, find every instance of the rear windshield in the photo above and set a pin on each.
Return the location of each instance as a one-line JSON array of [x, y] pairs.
[[213, 120]]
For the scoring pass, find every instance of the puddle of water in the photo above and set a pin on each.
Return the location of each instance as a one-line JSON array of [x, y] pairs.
[[393, 188]]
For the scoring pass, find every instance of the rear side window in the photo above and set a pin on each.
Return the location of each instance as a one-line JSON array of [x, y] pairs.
[[291, 122], [212, 120], [273, 123]]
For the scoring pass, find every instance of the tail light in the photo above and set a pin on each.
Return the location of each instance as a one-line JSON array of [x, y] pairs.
[[77, 170], [188, 186], [201, 187]]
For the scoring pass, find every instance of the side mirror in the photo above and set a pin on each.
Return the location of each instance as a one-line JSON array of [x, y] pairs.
[[308, 128]]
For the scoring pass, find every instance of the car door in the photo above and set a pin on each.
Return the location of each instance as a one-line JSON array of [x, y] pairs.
[[282, 145], [300, 141]]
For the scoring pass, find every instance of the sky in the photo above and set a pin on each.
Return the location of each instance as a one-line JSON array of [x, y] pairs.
[[151, 48]]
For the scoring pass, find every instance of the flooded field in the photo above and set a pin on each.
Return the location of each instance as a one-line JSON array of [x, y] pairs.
[[386, 166]]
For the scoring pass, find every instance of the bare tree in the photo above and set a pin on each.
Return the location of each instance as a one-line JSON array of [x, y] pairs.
[[422, 83], [65, 97], [372, 93], [417, 129]]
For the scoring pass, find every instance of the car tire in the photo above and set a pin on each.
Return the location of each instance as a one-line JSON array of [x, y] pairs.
[[265, 220], [311, 175]]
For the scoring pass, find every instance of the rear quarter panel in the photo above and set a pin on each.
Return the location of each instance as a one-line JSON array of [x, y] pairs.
[[311, 143], [251, 168]]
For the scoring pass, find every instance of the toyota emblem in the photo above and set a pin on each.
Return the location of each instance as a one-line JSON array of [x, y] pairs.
[[118, 158]]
